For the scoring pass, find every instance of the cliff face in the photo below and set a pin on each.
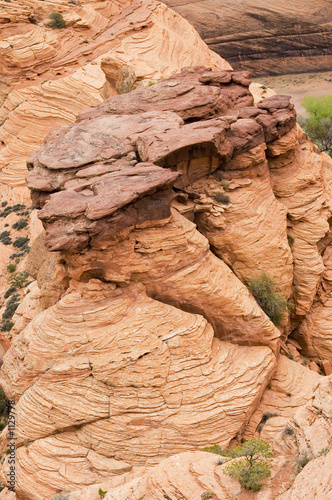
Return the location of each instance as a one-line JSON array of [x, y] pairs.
[[269, 38], [139, 338]]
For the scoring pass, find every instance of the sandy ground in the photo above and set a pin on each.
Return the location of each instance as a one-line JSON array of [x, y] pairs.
[[299, 85]]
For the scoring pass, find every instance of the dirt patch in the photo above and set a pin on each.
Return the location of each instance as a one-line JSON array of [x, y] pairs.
[[299, 85]]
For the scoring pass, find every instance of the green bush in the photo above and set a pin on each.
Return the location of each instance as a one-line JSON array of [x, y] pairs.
[[272, 302], [57, 20], [7, 326], [256, 466], [102, 493], [206, 495], [11, 268], [11, 307], [221, 197], [19, 279], [318, 125], [20, 224], [5, 238], [8, 292], [21, 242]]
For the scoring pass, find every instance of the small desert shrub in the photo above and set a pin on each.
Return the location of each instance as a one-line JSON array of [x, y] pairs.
[[290, 239], [11, 307], [256, 466], [102, 493], [11, 268], [57, 20], [21, 242], [207, 494], [6, 326], [5, 238], [4, 203], [221, 197], [215, 448], [19, 279], [20, 224], [8, 292], [225, 183], [302, 461], [272, 302], [288, 431], [324, 451]]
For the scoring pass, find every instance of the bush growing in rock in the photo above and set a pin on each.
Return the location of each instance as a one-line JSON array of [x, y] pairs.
[[221, 197], [272, 302], [57, 20]]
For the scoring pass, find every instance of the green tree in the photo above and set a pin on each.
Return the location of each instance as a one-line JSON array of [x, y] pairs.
[[318, 125], [271, 301], [255, 467]]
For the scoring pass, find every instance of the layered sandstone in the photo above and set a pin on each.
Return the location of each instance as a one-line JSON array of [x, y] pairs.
[[269, 40], [139, 339], [123, 380], [107, 48], [291, 387]]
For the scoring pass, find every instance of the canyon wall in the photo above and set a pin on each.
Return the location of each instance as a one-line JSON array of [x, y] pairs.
[[268, 38]]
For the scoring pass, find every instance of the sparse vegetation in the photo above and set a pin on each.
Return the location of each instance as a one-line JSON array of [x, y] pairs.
[[11, 307], [5, 238], [221, 197], [207, 494], [3, 409], [11, 268], [271, 301], [57, 20], [102, 493], [324, 451], [6, 326], [256, 466], [225, 183], [288, 431], [20, 224], [302, 461], [19, 279], [290, 239]]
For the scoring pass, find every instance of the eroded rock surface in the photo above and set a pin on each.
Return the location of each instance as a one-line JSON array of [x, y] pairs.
[[122, 380], [283, 38]]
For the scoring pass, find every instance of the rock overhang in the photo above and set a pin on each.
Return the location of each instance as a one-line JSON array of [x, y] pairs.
[[115, 167]]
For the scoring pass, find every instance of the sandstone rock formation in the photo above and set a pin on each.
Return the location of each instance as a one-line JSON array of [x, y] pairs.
[[51, 75], [139, 339], [131, 386], [134, 358], [310, 429], [188, 475], [277, 38], [313, 482], [291, 387]]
